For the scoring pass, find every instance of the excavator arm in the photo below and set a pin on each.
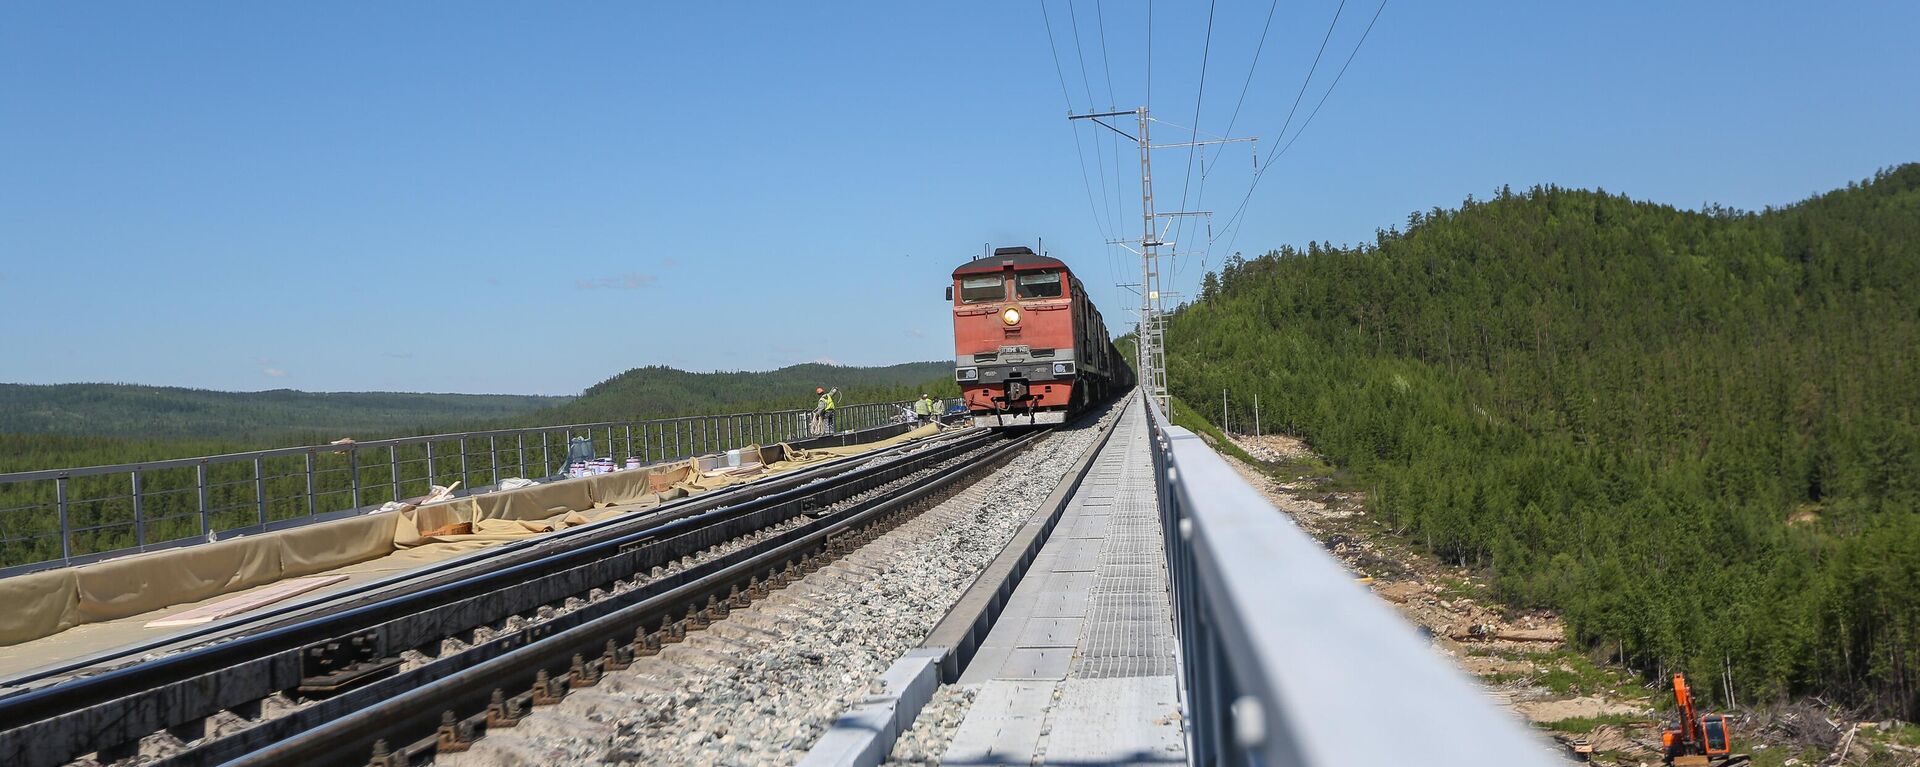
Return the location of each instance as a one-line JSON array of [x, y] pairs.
[[1689, 719]]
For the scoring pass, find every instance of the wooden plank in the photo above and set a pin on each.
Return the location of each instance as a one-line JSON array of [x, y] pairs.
[[244, 602]]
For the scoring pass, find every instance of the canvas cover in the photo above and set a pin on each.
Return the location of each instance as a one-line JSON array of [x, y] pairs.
[[46, 603]]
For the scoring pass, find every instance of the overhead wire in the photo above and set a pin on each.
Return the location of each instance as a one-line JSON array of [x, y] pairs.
[[1297, 97], [1278, 150], [1086, 82], [1113, 141], [1100, 161], [1079, 153], [1252, 67], [1206, 50]]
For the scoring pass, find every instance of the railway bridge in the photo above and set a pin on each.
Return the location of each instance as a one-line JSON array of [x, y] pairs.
[[741, 590]]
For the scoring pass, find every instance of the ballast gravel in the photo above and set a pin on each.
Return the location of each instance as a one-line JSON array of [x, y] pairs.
[[761, 686], [932, 730]]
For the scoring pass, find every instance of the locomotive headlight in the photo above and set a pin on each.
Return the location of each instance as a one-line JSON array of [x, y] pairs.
[[967, 374], [1062, 368], [1011, 316]]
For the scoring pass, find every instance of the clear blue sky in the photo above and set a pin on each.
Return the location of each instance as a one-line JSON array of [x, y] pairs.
[[527, 198]]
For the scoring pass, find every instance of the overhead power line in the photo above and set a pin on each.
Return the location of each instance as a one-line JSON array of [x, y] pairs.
[[1118, 209], [1279, 149], [1206, 50], [1297, 97], [1106, 65], [1099, 158], [1253, 66], [1079, 152]]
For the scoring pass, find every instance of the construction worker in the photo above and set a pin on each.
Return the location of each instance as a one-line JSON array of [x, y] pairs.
[[925, 408], [825, 408]]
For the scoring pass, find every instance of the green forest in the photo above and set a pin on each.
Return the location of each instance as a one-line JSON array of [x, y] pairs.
[[125, 410], [1694, 433], [649, 392], [89, 424], [97, 424]]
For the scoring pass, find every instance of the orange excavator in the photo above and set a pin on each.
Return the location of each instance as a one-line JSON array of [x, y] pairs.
[[1701, 740]]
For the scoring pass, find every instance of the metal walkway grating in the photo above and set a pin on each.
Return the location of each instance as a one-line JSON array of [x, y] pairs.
[[1081, 667], [1129, 629]]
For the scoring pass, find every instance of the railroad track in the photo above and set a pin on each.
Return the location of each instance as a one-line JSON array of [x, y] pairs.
[[390, 677]]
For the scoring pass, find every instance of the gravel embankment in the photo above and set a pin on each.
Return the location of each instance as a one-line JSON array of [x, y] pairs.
[[760, 686]]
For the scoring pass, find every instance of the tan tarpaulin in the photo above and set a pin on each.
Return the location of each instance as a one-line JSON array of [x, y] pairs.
[[41, 604]]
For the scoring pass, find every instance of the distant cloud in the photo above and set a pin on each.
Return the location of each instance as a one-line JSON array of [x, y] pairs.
[[628, 281], [273, 372], [916, 333]]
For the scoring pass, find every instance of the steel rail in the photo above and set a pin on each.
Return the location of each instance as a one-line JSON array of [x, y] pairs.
[[165, 692], [120, 511], [548, 663], [432, 574]]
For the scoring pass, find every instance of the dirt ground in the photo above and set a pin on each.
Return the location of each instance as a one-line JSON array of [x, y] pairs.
[[1522, 658]]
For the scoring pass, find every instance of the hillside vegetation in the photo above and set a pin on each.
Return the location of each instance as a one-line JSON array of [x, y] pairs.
[[95, 425], [654, 391], [89, 424], [1694, 433], [124, 410]]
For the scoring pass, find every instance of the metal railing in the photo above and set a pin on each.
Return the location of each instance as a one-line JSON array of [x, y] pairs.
[[1286, 660], [54, 517]]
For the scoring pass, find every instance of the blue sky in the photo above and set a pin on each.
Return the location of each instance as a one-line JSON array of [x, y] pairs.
[[527, 198]]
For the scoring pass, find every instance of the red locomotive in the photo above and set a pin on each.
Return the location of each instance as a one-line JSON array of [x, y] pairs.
[[1029, 347]]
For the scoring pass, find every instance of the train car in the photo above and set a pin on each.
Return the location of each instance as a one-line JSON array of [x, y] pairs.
[[1029, 346]]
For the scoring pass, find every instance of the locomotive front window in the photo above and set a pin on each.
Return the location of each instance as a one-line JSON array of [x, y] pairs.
[[1038, 285], [975, 290]]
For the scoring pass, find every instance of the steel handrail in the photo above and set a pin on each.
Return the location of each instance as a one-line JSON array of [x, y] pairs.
[[1286, 660], [374, 471], [281, 452], [26, 706]]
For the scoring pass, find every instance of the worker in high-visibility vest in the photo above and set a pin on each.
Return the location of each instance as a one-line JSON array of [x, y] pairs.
[[825, 408], [925, 408]]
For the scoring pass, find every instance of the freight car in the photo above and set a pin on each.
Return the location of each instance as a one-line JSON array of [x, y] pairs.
[[1029, 346]]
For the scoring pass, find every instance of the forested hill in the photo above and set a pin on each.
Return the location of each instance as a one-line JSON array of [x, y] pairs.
[[158, 412], [1695, 433], [661, 391], [84, 424]]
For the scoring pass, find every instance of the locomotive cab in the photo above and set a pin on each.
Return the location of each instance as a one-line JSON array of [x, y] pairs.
[[1024, 332]]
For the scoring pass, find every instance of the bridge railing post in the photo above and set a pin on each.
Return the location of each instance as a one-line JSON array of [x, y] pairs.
[[139, 509], [333, 480]]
